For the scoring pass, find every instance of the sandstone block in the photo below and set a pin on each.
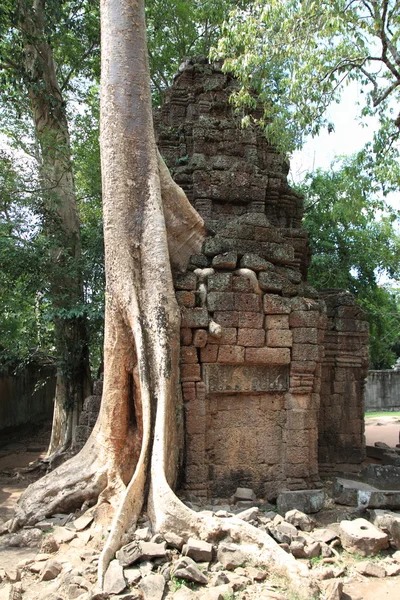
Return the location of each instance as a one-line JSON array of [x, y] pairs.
[[254, 262], [360, 536], [371, 569], [200, 338], [277, 356], [186, 568], [305, 335], [243, 284], [308, 501], [209, 353], [228, 337], [279, 338], [251, 320], [114, 580], [276, 305], [199, 550], [230, 354], [190, 372], [301, 318], [227, 318], [220, 282], [187, 281], [247, 302], [246, 494], [194, 317], [188, 354], [332, 589], [226, 260], [251, 337], [188, 391], [186, 298], [270, 281], [152, 586], [51, 570], [230, 556], [300, 520], [186, 336], [277, 322], [220, 301], [305, 352]]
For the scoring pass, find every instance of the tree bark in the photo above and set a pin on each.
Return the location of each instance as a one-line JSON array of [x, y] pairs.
[[132, 455], [61, 224]]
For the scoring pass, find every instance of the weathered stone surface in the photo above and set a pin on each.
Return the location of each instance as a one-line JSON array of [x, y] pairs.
[[152, 586], [230, 556], [227, 260], [138, 550], [84, 521], [249, 514], [300, 520], [371, 569], [245, 378], [246, 494], [186, 568], [389, 522], [199, 550], [324, 535], [185, 593], [361, 537], [51, 570], [114, 580], [307, 501], [332, 589]]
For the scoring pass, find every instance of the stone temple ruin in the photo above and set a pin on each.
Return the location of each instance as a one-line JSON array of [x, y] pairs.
[[272, 371]]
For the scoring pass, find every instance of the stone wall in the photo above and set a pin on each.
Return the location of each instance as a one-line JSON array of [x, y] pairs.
[[382, 391], [344, 369], [26, 396], [253, 330]]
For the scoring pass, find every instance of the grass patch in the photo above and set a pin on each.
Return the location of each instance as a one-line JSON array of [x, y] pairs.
[[382, 414]]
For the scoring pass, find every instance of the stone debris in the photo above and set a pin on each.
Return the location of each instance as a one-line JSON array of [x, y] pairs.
[[140, 551], [152, 586], [50, 570], [245, 494], [199, 550], [360, 536], [371, 569], [230, 556], [186, 568], [300, 520], [114, 580], [306, 501], [389, 522], [332, 589], [83, 521]]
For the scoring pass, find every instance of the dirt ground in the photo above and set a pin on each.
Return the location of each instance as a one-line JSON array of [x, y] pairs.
[[19, 449], [382, 429]]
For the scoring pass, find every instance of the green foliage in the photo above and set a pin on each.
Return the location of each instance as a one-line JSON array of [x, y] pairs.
[[355, 243], [182, 28], [297, 55]]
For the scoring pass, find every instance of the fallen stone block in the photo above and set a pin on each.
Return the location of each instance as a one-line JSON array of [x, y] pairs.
[[186, 568], [137, 550], [230, 556], [362, 537], [370, 569], [307, 501], [300, 520], [332, 589], [389, 522], [199, 550], [244, 494], [114, 580], [152, 586], [51, 570]]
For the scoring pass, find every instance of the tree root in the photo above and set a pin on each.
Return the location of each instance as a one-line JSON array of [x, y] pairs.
[[79, 480]]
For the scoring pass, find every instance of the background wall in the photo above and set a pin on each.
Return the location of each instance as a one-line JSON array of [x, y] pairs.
[[382, 391]]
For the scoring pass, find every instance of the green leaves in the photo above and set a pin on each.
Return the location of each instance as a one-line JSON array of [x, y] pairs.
[[297, 55], [356, 245]]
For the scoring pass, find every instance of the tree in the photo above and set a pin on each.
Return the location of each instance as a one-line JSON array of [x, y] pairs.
[[355, 243], [150, 227], [30, 76], [298, 54]]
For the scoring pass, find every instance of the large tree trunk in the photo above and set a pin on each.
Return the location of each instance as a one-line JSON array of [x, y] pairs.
[[61, 224], [131, 457]]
